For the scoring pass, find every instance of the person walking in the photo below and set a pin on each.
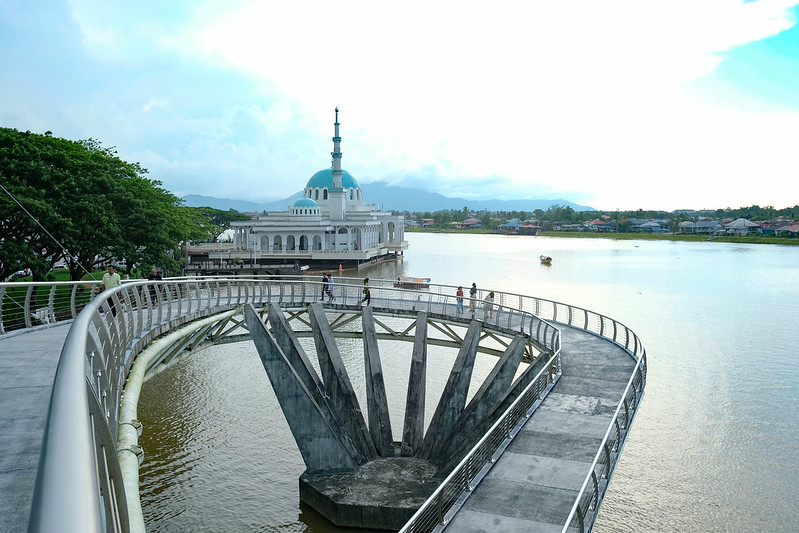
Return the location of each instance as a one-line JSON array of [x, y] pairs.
[[367, 294], [324, 287], [459, 295], [110, 280], [330, 295], [473, 298], [154, 276], [489, 304]]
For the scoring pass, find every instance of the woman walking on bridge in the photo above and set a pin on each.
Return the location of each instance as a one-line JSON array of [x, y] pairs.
[[367, 294]]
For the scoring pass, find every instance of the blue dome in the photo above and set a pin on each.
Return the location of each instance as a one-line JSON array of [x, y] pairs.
[[324, 179], [305, 202]]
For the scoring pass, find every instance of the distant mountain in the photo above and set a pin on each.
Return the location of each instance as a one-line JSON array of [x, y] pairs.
[[390, 198], [243, 206], [403, 199]]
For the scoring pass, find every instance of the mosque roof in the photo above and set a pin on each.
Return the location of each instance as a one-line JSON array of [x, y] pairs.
[[324, 179], [305, 202]]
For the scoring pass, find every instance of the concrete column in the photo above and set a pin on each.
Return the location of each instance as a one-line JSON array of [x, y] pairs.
[[492, 391], [376, 399], [323, 443], [453, 399], [482, 428], [413, 431], [337, 381]]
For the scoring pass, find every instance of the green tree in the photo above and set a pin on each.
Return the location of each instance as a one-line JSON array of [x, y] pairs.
[[79, 202], [215, 222]]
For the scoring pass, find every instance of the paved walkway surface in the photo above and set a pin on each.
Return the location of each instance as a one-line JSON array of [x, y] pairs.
[[534, 484], [27, 366]]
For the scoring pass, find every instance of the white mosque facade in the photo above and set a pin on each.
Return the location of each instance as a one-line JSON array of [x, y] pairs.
[[330, 225]]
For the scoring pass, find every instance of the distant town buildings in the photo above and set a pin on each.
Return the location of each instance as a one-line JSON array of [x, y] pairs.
[[606, 224]]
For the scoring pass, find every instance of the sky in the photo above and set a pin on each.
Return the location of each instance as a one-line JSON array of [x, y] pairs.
[[621, 104]]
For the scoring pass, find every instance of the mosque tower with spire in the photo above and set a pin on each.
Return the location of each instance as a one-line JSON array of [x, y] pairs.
[[330, 226], [338, 209]]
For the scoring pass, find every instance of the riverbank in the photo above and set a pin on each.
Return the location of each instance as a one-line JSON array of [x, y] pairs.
[[747, 239]]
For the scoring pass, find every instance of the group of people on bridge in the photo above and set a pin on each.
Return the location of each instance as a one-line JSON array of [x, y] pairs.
[[488, 302]]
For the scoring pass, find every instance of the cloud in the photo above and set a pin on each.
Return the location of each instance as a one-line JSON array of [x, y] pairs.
[[595, 102]]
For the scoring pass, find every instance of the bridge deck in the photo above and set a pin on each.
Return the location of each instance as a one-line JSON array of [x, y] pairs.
[[533, 485], [531, 488], [27, 366]]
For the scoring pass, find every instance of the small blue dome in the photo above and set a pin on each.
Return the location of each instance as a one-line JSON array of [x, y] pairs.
[[305, 202], [324, 179]]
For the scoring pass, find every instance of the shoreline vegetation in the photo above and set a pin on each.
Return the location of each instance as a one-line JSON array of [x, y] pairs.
[[745, 239]]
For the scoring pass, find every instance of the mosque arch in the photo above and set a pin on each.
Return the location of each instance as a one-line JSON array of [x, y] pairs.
[[391, 232], [324, 194], [317, 242], [290, 243], [303, 242], [277, 243]]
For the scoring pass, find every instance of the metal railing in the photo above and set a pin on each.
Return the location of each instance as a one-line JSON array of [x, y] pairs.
[[448, 497], [586, 506], [79, 486]]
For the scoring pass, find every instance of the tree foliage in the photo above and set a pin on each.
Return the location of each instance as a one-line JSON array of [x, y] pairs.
[[77, 201], [216, 221]]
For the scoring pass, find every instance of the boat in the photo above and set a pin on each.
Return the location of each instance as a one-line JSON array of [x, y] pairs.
[[412, 283], [545, 259]]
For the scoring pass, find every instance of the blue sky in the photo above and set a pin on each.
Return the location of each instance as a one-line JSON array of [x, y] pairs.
[[627, 104]]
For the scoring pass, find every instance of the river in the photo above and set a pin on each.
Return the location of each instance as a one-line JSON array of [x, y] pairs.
[[713, 447]]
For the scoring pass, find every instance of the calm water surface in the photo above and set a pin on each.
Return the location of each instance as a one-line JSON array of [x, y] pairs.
[[713, 447]]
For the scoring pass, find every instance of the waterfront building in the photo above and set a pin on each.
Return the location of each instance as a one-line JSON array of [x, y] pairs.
[[330, 225]]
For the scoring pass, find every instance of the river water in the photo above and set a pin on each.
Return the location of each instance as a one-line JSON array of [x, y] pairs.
[[714, 446]]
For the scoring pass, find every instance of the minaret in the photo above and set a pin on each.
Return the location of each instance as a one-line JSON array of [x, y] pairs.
[[336, 153], [337, 195]]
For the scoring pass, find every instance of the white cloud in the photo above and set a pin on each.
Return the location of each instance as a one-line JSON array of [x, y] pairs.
[[509, 99]]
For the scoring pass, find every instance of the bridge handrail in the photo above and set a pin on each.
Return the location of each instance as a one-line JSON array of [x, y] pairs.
[[589, 499], [87, 493], [27, 305], [64, 300], [439, 507]]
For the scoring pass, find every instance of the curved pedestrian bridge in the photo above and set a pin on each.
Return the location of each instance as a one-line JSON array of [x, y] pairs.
[[543, 464]]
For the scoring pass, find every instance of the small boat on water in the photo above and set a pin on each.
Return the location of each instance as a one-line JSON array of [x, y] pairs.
[[545, 259], [412, 283]]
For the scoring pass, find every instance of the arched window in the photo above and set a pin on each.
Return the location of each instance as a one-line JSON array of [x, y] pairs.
[[317, 194], [324, 194]]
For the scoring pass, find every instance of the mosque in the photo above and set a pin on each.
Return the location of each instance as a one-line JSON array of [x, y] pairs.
[[330, 225]]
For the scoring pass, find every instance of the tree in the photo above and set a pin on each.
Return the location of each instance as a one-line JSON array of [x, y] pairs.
[[215, 222], [79, 202]]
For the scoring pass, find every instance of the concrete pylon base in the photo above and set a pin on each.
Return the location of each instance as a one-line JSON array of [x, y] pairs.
[[382, 494]]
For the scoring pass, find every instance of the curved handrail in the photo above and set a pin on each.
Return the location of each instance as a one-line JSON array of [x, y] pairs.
[[103, 346], [88, 494]]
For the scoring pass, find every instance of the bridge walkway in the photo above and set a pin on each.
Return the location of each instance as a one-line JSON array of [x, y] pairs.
[[532, 487], [27, 366]]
